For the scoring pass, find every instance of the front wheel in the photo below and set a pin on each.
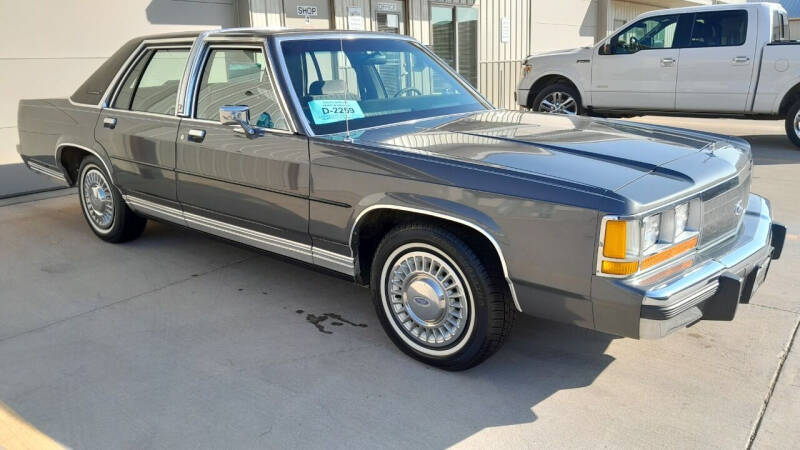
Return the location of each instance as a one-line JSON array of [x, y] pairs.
[[437, 300], [793, 123], [103, 207], [558, 98]]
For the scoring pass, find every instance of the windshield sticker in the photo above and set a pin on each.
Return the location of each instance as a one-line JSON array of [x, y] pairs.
[[329, 111]]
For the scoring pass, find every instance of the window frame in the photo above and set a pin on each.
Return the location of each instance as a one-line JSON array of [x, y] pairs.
[[456, 39], [142, 52], [688, 43], [613, 40], [200, 71]]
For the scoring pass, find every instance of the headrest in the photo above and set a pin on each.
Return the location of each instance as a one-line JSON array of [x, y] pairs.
[[329, 87]]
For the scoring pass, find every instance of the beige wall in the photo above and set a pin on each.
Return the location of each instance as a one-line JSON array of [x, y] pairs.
[[51, 46]]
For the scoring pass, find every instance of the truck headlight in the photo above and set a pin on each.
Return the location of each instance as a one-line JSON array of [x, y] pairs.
[[632, 245]]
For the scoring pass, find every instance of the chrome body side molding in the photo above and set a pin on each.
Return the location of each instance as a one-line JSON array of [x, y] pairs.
[[475, 227], [36, 167], [296, 250]]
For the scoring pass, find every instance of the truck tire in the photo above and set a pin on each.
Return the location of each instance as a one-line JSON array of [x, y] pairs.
[[558, 98], [437, 300], [103, 207], [793, 123]]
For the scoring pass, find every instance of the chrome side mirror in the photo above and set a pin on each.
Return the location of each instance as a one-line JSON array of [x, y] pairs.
[[237, 115]]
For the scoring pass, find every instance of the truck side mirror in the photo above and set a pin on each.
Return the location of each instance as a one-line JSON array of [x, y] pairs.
[[237, 115]]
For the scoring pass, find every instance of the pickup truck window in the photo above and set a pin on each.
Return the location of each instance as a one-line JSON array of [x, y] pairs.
[[779, 26], [646, 34], [719, 29], [152, 84], [239, 77], [370, 82]]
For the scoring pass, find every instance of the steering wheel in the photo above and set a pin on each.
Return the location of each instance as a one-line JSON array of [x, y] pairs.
[[407, 90]]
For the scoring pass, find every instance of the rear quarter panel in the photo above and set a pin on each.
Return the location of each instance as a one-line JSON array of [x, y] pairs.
[[45, 124], [780, 72]]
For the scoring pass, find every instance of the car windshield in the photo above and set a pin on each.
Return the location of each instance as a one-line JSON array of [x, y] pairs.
[[370, 82]]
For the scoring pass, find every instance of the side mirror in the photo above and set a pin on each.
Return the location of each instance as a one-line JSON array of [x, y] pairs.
[[237, 115]]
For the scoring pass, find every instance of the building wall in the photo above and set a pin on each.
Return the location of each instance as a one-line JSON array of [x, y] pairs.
[[58, 43]]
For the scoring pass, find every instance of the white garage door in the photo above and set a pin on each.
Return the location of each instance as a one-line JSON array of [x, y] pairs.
[[60, 42]]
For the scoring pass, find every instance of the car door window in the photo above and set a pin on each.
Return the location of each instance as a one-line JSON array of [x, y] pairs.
[[128, 87], [239, 77], [157, 89], [719, 29], [646, 34]]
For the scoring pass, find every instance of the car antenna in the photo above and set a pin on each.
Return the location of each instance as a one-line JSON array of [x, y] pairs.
[[347, 138]]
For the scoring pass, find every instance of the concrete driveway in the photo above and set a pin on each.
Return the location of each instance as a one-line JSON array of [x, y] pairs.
[[178, 340]]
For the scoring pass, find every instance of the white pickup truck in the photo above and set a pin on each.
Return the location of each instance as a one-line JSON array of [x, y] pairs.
[[718, 61]]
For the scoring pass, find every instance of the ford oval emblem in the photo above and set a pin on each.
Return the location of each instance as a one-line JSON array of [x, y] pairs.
[[739, 209], [421, 301]]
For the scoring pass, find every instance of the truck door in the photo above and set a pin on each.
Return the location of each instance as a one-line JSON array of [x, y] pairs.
[[716, 64], [139, 128], [638, 67]]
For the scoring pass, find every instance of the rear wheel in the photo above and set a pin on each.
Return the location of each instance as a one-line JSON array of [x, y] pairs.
[[436, 299], [103, 207], [558, 98], [793, 123]]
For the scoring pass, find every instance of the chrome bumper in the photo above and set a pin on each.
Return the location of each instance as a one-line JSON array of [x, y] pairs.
[[710, 284]]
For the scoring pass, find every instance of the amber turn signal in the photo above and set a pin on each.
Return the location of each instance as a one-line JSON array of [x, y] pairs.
[[619, 268], [669, 253], [616, 239]]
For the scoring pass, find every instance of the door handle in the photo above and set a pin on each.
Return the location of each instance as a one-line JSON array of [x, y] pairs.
[[110, 122], [741, 60], [197, 135], [668, 62]]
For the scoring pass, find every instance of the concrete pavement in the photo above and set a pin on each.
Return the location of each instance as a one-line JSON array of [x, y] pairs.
[[178, 340]]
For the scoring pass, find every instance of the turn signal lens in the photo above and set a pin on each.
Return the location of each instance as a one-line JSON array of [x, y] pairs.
[[669, 253], [620, 268], [615, 240]]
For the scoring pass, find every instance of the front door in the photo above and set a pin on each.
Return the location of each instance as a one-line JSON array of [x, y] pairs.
[[254, 188], [717, 62], [139, 129], [638, 68]]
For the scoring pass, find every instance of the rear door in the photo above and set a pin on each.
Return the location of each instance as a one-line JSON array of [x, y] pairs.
[[716, 65], [638, 67], [139, 129]]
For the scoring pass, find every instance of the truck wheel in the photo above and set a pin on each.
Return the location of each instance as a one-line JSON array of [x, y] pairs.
[[437, 300], [558, 98], [103, 208], [793, 123]]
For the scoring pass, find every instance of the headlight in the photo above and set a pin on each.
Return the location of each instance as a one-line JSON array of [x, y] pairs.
[[681, 219], [651, 228], [632, 245]]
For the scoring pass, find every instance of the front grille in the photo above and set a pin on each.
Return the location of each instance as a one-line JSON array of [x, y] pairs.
[[720, 206]]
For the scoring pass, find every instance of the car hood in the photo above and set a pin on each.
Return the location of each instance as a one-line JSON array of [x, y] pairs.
[[605, 154], [566, 52]]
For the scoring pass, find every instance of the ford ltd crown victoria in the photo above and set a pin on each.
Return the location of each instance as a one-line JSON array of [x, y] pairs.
[[364, 154]]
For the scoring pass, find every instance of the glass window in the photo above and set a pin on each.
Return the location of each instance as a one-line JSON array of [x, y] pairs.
[[239, 77], [157, 89], [339, 81], [454, 38], [719, 29], [127, 89], [647, 34], [779, 27]]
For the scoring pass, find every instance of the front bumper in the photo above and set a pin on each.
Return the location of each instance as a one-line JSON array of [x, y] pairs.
[[708, 285]]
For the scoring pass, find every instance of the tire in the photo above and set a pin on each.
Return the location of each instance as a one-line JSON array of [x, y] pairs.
[[414, 314], [792, 123], [103, 207], [558, 94]]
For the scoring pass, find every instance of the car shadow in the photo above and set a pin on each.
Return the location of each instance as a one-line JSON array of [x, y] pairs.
[[772, 149]]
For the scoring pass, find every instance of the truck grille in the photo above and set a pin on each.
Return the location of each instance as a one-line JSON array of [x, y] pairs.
[[723, 209]]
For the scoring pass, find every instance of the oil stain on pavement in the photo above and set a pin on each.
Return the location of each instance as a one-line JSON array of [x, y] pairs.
[[336, 321]]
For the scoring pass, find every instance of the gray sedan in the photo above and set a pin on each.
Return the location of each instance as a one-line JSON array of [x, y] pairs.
[[365, 155]]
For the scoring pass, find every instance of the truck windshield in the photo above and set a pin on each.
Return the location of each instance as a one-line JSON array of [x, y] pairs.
[[370, 82]]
